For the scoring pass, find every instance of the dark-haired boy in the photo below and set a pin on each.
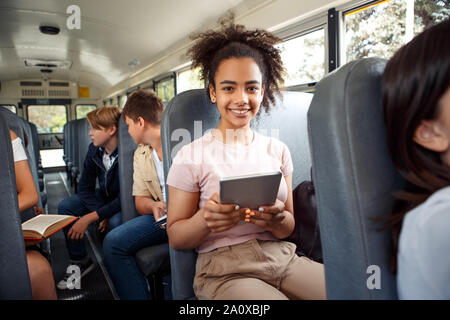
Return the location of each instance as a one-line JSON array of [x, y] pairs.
[[142, 113]]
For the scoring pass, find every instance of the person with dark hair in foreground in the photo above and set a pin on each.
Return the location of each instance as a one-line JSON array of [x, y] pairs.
[[416, 99]]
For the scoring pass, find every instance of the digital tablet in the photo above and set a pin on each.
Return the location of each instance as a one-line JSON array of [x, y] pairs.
[[250, 191]]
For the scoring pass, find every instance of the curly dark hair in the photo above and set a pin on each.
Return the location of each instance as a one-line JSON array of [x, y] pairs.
[[234, 41]]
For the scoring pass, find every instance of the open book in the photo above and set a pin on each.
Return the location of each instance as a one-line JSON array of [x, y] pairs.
[[44, 225]]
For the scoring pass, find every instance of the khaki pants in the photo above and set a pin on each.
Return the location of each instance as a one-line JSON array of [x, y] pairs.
[[258, 270]]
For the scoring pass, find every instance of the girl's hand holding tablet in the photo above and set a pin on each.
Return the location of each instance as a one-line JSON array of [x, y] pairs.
[[220, 217], [267, 217]]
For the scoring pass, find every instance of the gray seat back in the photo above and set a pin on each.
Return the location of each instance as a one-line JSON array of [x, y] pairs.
[[190, 114], [126, 156], [23, 131], [76, 127], [33, 160], [83, 143], [186, 118], [14, 277], [35, 139], [287, 121], [72, 144], [65, 138], [354, 180]]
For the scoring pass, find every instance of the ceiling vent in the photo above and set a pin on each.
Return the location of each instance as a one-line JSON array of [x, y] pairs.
[[51, 64], [58, 84], [27, 93], [59, 93], [50, 30], [30, 83], [48, 89]]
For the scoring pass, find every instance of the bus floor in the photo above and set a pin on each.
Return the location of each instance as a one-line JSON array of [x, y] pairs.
[[96, 285]]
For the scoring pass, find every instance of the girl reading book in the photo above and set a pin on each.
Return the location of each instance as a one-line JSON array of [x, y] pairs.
[[41, 276], [240, 254]]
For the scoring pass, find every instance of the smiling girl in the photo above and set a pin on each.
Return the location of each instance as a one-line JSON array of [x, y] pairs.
[[237, 259]]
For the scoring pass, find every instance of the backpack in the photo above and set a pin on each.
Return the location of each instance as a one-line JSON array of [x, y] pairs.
[[306, 234]]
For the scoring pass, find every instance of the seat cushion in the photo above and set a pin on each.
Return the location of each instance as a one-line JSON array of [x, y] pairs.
[[153, 259]]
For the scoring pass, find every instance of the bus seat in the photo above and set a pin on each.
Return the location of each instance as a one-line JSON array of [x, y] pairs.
[[153, 261], [83, 146], [64, 156], [68, 142], [126, 156], [35, 139], [40, 172], [75, 170], [72, 148], [180, 113], [287, 121], [66, 146], [32, 155], [354, 181], [14, 277], [23, 131]]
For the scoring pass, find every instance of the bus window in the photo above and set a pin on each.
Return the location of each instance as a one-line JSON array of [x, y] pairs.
[[189, 79], [115, 101], [123, 100], [380, 29], [81, 110], [10, 107], [165, 89], [49, 121], [304, 58]]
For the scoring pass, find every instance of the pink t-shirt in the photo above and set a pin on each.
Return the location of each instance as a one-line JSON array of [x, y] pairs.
[[199, 166]]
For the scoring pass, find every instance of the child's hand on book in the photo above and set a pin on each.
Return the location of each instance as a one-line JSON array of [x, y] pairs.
[[38, 210]]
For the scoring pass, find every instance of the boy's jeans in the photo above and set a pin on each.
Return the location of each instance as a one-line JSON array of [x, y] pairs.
[[74, 206]]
